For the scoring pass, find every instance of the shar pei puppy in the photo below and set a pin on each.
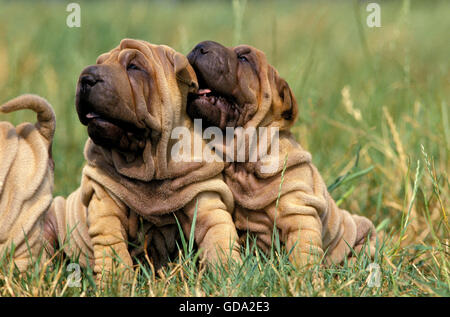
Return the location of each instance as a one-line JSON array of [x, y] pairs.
[[26, 180], [238, 88], [132, 186]]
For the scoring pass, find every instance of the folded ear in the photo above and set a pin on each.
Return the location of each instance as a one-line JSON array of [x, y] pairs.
[[288, 110], [184, 71], [102, 58]]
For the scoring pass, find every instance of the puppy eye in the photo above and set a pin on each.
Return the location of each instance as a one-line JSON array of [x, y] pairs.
[[242, 58], [132, 66]]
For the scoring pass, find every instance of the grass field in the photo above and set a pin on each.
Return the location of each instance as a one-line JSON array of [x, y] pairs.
[[380, 92]]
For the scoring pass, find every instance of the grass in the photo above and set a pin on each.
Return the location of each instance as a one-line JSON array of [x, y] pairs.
[[373, 105]]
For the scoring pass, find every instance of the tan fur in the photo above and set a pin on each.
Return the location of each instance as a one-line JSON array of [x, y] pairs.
[[118, 191], [307, 218], [26, 179]]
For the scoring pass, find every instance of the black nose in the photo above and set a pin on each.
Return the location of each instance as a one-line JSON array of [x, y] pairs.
[[89, 77], [203, 48], [206, 46], [88, 80]]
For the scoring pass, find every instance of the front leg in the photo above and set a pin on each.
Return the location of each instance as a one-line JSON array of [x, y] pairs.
[[107, 222], [300, 226], [215, 233]]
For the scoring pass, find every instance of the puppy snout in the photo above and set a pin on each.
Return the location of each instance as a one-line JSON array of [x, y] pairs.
[[88, 80], [206, 47], [202, 49], [89, 77]]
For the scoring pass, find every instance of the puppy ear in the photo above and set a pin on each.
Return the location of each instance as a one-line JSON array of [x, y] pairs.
[[102, 58], [289, 108], [184, 72]]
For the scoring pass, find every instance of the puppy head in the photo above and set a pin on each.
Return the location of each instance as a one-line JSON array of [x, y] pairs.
[[239, 88], [122, 99]]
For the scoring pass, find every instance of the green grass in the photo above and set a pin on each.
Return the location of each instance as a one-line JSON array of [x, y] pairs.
[[380, 92]]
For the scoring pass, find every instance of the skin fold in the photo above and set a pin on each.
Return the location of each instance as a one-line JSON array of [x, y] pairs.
[[238, 88], [132, 188], [26, 179]]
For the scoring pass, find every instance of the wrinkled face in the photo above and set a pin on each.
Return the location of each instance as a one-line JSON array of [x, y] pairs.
[[234, 83], [105, 101], [228, 81], [135, 91], [125, 96]]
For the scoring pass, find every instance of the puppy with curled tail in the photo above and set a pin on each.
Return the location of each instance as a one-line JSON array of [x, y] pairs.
[[133, 187], [26, 179]]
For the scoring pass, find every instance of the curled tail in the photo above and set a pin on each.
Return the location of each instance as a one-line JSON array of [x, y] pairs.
[[45, 115]]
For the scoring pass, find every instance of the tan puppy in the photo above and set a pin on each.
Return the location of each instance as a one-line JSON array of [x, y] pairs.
[[26, 179], [131, 100], [238, 88]]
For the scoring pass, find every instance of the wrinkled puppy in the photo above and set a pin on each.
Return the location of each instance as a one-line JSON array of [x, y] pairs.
[[238, 88], [26, 179], [131, 101]]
